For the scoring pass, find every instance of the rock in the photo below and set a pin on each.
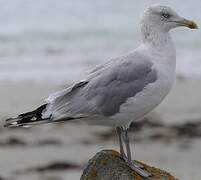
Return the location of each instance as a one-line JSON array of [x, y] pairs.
[[108, 165]]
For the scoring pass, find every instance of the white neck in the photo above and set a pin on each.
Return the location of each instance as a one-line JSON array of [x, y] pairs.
[[161, 45], [153, 37]]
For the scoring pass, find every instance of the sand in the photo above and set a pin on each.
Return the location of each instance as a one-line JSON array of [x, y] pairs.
[[23, 152]]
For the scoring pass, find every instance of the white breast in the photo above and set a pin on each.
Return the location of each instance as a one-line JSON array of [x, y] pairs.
[[152, 95]]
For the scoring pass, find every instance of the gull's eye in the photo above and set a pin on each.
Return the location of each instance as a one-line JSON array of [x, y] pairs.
[[165, 15]]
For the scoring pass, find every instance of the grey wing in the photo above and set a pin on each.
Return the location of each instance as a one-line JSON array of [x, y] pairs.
[[106, 90]]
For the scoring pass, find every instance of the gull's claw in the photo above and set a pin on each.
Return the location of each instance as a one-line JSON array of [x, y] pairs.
[[136, 164], [136, 167]]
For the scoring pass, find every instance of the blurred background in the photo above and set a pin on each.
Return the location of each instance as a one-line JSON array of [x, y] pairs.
[[46, 45]]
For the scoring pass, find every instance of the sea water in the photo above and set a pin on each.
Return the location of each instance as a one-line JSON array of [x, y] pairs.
[[57, 41]]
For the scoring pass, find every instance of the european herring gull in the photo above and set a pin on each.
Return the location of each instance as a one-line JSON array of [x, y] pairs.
[[123, 90]]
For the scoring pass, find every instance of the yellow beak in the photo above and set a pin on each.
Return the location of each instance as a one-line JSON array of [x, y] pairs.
[[188, 23]]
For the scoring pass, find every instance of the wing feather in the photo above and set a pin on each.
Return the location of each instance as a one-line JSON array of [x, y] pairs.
[[106, 88]]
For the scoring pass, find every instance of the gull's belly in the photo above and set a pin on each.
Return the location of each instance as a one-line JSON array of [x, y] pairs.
[[144, 102]]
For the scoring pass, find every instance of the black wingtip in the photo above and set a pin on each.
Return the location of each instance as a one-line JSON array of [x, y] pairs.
[[26, 119], [12, 122]]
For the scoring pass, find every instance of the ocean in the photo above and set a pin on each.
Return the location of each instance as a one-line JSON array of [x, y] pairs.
[[58, 41]]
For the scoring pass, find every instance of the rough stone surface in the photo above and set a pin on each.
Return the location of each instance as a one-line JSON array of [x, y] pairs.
[[108, 165]]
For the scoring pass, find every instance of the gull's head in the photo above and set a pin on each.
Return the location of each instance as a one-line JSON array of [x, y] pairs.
[[163, 18]]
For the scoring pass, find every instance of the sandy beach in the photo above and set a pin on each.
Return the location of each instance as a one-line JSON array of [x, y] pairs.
[[60, 151]]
